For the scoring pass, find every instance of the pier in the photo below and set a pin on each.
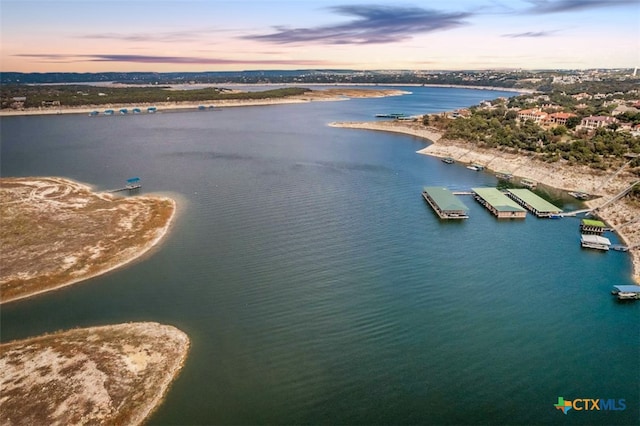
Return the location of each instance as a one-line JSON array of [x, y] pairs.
[[499, 204], [534, 203], [444, 203], [132, 184]]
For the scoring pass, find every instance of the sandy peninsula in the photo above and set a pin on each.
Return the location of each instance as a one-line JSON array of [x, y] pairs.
[[111, 375], [333, 94], [623, 215], [56, 232]]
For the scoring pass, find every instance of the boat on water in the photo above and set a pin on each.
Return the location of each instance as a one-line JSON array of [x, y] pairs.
[[136, 111], [528, 183], [124, 111], [108, 112], [448, 160], [476, 167], [151, 110], [93, 113], [504, 175], [579, 195]]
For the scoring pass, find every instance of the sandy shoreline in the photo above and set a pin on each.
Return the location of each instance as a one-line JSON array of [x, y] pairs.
[[330, 95], [619, 215], [133, 238]]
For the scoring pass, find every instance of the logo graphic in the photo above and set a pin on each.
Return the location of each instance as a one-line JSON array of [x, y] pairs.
[[590, 404], [563, 405]]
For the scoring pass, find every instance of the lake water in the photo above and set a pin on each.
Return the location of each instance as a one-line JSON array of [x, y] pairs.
[[316, 284]]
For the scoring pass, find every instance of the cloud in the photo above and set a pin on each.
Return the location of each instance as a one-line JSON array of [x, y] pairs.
[[371, 24], [559, 6], [532, 34], [164, 37], [152, 59]]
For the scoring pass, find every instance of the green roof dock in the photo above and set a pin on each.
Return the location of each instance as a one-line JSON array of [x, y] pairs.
[[534, 203], [499, 204], [592, 227], [444, 203]]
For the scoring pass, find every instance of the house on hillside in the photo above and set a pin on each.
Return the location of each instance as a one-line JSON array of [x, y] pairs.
[[597, 121], [533, 114], [581, 96], [559, 118], [621, 109]]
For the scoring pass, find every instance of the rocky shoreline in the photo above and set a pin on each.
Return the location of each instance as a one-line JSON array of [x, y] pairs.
[[619, 215]]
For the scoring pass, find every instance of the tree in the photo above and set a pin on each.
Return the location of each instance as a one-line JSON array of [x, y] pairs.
[[572, 122]]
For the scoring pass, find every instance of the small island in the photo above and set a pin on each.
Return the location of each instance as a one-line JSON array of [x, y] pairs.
[[56, 232], [115, 374]]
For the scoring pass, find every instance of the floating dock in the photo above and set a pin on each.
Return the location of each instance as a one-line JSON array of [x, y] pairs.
[[534, 203], [592, 227], [444, 203], [595, 242], [626, 292], [503, 175], [499, 204], [528, 183]]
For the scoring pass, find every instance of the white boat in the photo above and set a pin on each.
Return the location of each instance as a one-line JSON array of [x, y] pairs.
[[579, 195], [474, 168], [627, 295]]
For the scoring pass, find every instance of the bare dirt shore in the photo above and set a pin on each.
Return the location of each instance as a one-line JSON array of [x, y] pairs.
[[115, 375], [56, 232], [623, 215], [334, 94]]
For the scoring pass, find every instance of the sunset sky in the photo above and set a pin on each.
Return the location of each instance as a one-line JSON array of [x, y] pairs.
[[217, 35]]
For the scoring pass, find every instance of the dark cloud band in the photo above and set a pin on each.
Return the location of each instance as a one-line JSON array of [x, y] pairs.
[[371, 24]]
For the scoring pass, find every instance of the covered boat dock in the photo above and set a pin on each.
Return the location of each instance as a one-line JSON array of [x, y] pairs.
[[499, 204], [595, 242], [533, 202], [626, 292], [444, 203], [591, 226]]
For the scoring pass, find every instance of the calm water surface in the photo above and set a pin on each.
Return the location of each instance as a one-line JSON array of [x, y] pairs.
[[318, 287]]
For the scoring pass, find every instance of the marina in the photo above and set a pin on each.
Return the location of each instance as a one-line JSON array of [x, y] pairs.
[[533, 202], [498, 203], [445, 203]]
